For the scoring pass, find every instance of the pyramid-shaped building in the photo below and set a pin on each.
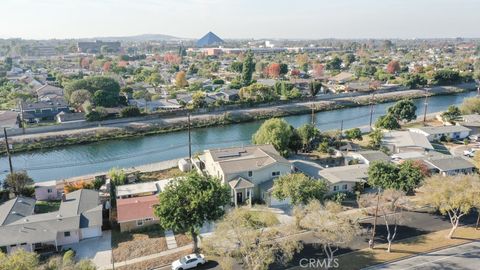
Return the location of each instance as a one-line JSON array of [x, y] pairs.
[[210, 39]]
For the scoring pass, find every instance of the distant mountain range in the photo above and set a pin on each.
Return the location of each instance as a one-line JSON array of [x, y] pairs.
[[144, 37]]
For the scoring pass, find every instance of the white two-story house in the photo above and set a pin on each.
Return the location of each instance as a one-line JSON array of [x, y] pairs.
[[244, 169]]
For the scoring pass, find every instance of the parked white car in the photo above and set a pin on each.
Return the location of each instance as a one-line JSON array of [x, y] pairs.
[[189, 262], [470, 153]]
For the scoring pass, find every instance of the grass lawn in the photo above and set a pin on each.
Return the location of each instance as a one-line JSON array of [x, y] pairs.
[[130, 245], [46, 207], [407, 247]]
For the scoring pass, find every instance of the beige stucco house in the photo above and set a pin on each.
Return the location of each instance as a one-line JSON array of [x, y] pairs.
[[244, 169]]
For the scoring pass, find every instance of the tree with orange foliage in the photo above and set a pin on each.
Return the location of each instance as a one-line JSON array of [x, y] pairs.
[[393, 67], [77, 185], [318, 70], [106, 66], [172, 58], [180, 79], [273, 70]]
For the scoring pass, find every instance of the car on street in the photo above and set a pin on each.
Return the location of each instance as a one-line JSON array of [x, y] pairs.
[[470, 153], [189, 262]]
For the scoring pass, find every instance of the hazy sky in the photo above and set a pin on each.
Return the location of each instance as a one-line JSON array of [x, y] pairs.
[[241, 18]]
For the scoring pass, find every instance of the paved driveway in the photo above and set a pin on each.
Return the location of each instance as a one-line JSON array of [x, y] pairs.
[[98, 249]]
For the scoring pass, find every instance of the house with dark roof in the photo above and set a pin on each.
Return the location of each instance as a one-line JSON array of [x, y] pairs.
[[244, 169], [42, 110], [79, 217]]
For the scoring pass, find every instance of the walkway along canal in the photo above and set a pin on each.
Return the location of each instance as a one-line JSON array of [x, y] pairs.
[[77, 160]]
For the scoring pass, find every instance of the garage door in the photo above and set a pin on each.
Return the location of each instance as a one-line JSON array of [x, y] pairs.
[[91, 232]]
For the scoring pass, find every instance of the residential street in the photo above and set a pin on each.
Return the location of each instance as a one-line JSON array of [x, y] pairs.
[[465, 257]]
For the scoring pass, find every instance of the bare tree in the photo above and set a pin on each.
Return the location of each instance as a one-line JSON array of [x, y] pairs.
[[390, 207], [330, 226], [253, 236]]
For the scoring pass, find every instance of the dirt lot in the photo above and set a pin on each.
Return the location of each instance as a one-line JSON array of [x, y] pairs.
[[129, 245]]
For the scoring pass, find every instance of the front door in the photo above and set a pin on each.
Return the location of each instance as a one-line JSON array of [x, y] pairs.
[[239, 197]]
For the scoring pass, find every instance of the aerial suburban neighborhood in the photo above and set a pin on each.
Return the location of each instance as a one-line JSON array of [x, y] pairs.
[[246, 147]]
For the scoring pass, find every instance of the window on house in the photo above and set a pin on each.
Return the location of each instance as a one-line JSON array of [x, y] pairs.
[[345, 187], [148, 219], [139, 222], [49, 190], [66, 234], [248, 193], [275, 173], [335, 188], [250, 173]]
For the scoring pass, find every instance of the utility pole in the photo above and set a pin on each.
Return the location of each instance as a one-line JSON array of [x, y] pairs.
[[341, 129], [313, 115], [425, 108], [372, 241], [372, 106], [189, 138], [7, 146]]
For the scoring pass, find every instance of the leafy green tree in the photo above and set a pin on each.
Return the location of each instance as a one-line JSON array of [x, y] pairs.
[[415, 80], [19, 260], [78, 97], [276, 132], [17, 182], [117, 176], [188, 203], [403, 110], [387, 122], [130, 111], [307, 134], [348, 59], [409, 176], [334, 64], [108, 85], [257, 92], [299, 188], [236, 67], [314, 87], [283, 68], [382, 174], [386, 175], [447, 76], [154, 80], [99, 113], [198, 100], [452, 114], [353, 134], [248, 68]]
